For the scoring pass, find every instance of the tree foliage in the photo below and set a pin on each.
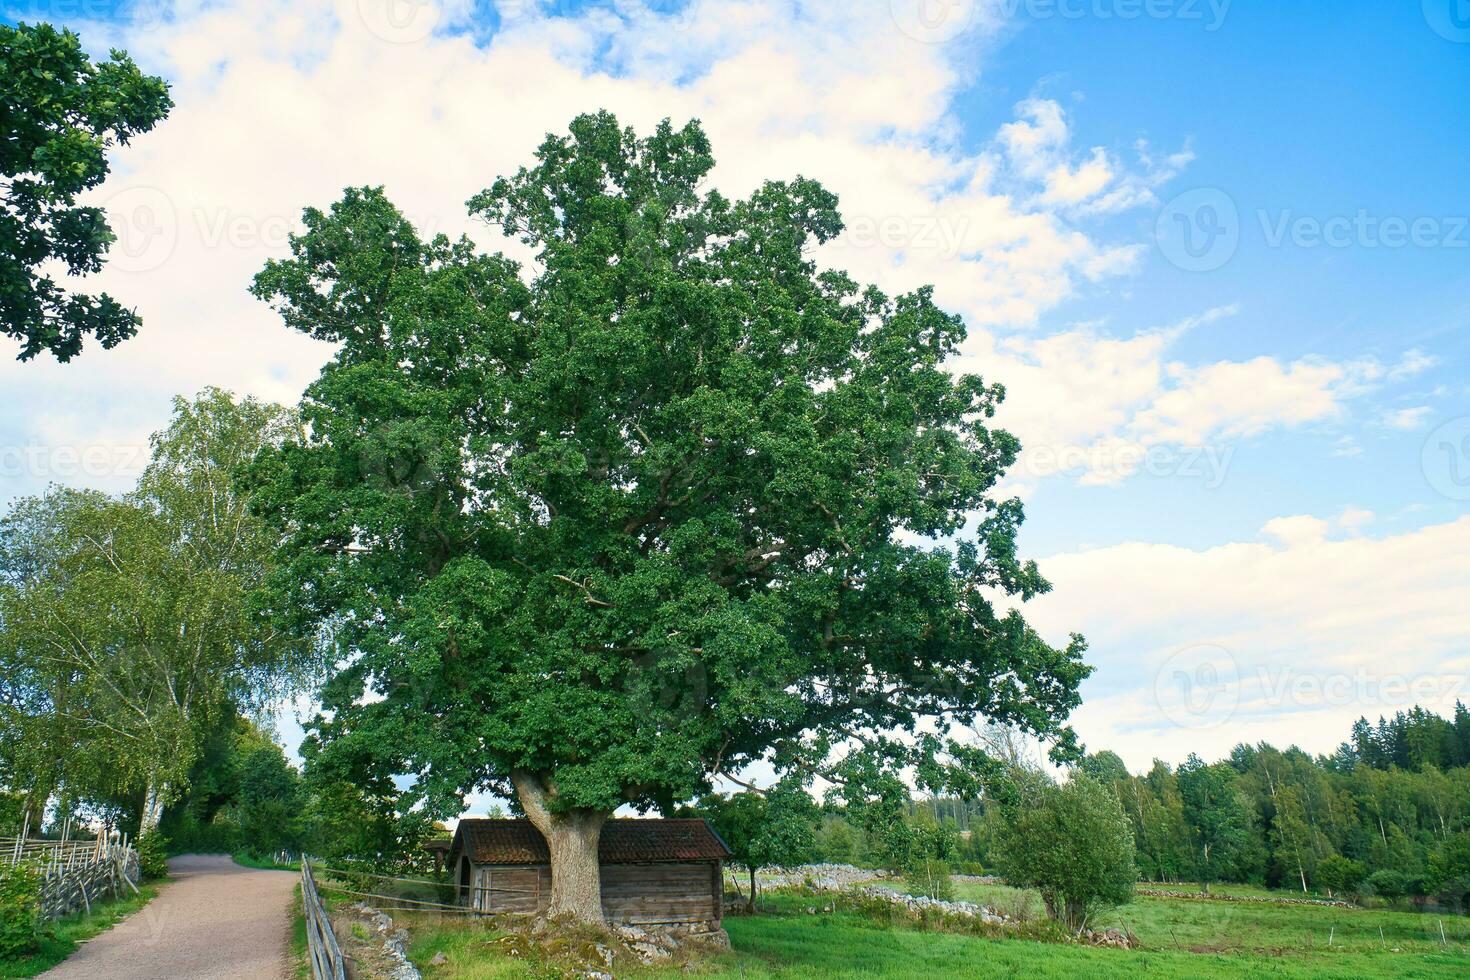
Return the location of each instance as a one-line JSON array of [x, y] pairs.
[[665, 502], [129, 626], [59, 114], [1216, 816], [1073, 844], [772, 829], [1284, 819], [20, 910]]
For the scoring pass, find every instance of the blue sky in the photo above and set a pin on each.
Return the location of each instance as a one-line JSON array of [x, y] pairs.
[[1292, 111], [1298, 524]]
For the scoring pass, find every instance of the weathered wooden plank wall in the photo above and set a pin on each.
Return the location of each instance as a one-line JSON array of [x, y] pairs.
[[643, 894]]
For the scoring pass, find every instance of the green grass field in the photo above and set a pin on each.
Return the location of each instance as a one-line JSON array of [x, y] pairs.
[[67, 933], [1252, 927], [1182, 938]]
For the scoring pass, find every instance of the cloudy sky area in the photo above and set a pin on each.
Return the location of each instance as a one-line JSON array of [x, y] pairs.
[[1219, 263]]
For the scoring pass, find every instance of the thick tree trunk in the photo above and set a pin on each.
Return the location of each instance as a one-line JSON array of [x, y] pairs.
[[152, 807], [571, 837]]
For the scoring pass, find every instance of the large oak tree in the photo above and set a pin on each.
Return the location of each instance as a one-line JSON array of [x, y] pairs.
[[666, 501]]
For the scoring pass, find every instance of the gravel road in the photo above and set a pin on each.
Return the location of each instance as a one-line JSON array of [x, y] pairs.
[[213, 919]]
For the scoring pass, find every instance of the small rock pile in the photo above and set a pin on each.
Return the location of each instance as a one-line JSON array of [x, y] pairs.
[[1116, 938], [662, 943]]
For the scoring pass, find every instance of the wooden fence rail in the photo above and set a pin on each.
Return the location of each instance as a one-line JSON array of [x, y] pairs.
[[321, 942]]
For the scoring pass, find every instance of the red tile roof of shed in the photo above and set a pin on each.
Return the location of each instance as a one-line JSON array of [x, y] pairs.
[[630, 841]]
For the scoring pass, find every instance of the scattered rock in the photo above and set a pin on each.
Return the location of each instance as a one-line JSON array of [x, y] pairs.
[[1115, 938], [389, 957], [821, 876], [439, 960], [649, 952], [1262, 899]]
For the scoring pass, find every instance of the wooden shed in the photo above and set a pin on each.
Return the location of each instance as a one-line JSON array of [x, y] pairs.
[[654, 872]]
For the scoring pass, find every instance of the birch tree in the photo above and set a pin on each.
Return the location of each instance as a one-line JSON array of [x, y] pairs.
[[128, 623]]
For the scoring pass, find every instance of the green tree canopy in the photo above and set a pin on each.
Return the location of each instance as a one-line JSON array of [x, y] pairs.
[[665, 502], [1072, 844], [59, 114], [1216, 816], [129, 623], [776, 828]]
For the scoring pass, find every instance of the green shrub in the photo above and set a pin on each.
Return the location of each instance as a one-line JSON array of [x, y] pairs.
[[153, 855], [929, 876], [1388, 883], [20, 910], [1073, 844], [221, 836]]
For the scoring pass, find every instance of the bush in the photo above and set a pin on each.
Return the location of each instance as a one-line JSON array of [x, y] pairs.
[[153, 855], [20, 911], [1388, 883], [1073, 844], [219, 837], [929, 876], [1338, 874]]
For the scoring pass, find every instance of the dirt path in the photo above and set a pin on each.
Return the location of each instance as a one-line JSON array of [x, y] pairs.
[[213, 919]]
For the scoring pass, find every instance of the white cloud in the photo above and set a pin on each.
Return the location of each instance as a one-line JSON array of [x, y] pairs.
[[1103, 407], [1405, 418], [1414, 361], [1037, 145], [1239, 399], [1297, 531], [1287, 640], [280, 105]]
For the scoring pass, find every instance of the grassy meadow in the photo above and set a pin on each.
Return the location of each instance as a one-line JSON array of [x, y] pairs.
[[794, 936]]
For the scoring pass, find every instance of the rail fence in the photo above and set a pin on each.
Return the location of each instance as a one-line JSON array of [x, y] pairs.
[[322, 948], [74, 872]]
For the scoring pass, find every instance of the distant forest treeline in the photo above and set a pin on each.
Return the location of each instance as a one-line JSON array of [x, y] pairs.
[[1388, 813]]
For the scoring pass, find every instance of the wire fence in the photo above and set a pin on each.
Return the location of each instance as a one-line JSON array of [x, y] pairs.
[[400, 893]]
